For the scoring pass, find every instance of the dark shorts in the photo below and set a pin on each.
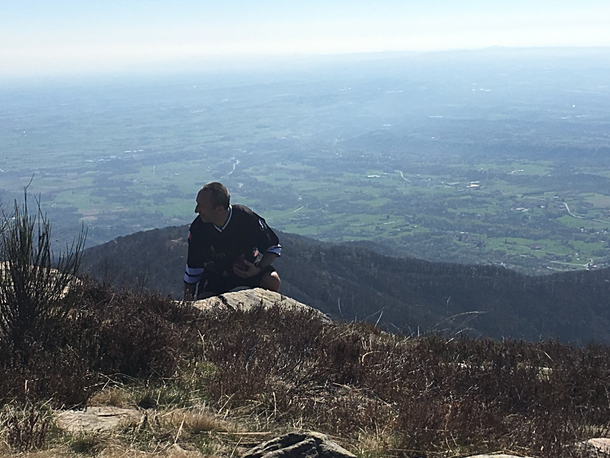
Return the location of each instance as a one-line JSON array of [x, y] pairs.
[[218, 284]]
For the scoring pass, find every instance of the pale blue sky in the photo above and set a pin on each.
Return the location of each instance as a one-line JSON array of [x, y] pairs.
[[70, 36]]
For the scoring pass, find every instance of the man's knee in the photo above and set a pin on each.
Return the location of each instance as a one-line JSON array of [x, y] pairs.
[[271, 281]]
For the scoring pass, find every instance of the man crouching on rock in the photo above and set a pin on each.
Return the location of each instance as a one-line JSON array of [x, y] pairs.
[[229, 246]]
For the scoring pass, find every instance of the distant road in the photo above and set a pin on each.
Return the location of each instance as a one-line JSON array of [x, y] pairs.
[[582, 217], [403, 177]]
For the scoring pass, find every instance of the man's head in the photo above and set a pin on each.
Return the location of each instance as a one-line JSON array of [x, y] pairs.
[[219, 195], [213, 203]]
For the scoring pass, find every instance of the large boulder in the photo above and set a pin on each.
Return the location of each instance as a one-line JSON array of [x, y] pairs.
[[304, 444], [245, 299]]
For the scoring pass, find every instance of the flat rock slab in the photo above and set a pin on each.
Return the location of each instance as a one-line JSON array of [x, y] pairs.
[[498, 456], [306, 444], [246, 299], [599, 444], [96, 418]]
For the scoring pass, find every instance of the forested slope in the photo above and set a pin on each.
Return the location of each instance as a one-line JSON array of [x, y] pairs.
[[412, 296]]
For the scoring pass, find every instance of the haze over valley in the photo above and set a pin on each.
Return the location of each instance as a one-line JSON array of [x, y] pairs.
[[498, 156]]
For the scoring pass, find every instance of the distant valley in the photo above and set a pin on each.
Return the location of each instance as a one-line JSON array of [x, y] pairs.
[[498, 156]]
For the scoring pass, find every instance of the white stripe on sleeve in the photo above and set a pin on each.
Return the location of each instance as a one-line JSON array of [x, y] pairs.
[[192, 274]]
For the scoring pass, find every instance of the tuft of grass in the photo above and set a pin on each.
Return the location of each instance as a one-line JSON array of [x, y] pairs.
[[376, 444], [25, 428], [117, 396], [182, 429], [87, 444]]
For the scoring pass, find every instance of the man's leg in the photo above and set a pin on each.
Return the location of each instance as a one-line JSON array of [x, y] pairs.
[[271, 281], [267, 279], [214, 285]]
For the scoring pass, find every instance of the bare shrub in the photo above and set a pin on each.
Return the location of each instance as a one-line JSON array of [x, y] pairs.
[[118, 335], [134, 333], [434, 393], [34, 284], [39, 295]]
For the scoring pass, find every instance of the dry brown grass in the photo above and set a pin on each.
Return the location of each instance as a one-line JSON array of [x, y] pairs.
[[116, 397], [194, 422], [220, 384], [51, 453], [115, 451]]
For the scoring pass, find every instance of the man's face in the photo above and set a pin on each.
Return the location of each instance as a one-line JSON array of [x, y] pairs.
[[207, 212]]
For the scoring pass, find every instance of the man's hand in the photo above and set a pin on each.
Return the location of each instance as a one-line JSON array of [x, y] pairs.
[[250, 271]]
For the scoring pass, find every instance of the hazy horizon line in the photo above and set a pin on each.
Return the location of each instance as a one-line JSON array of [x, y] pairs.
[[270, 62]]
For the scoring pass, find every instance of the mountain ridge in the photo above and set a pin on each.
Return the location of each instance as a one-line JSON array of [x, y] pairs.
[[406, 295]]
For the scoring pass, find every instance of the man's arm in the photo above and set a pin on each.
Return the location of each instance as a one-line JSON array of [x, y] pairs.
[[192, 274], [267, 259]]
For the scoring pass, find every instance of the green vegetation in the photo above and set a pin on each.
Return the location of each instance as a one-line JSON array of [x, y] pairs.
[[375, 206]]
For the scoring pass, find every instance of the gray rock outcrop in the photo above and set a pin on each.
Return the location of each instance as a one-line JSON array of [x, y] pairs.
[[304, 444], [245, 299]]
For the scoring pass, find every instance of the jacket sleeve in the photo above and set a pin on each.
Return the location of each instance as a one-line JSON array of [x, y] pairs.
[[195, 261], [269, 242]]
